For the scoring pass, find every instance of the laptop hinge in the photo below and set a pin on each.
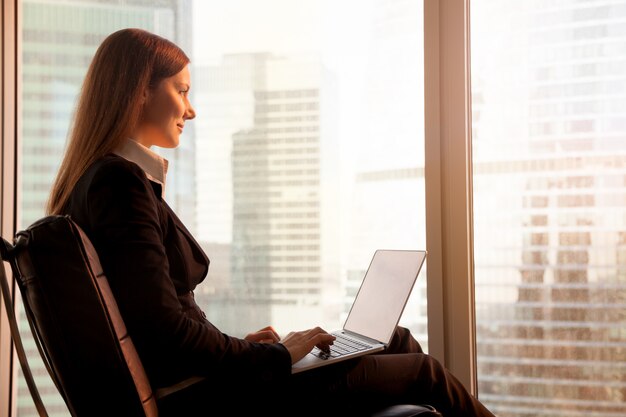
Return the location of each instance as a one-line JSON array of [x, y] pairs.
[[367, 339]]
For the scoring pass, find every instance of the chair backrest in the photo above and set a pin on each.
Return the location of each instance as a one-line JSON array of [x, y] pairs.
[[75, 318]]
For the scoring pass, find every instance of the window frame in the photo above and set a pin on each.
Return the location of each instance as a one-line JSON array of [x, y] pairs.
[[448, 172], [9, 122]]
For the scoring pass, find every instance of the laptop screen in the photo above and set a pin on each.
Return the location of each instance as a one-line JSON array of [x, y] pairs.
[[384, 293]]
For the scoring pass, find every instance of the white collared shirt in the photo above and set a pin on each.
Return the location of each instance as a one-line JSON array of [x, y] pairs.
[[153, 164]]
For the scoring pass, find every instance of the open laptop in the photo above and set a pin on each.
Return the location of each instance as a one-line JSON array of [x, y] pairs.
[[376, 309]]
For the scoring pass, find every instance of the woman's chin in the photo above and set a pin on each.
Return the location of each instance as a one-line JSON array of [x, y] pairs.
[[168, 143]]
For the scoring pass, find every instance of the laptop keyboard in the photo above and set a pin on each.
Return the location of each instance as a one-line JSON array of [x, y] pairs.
[[343, 345]]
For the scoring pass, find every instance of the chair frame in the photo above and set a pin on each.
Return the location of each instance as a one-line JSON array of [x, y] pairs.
[[5, 248], [8, 254]]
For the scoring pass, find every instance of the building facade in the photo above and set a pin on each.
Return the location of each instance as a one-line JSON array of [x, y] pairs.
[[260, 163], [549, 203]]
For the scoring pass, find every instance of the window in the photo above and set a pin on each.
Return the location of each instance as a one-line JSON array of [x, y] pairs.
[[549, 198], [307, 153]]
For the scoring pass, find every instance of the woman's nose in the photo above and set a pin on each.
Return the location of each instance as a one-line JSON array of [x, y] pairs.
[[190, 112]]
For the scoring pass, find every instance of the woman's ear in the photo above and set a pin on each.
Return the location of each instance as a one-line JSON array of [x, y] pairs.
[[144, 96]]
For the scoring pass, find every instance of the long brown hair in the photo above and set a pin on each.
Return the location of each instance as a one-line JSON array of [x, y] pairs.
[[125, 66]]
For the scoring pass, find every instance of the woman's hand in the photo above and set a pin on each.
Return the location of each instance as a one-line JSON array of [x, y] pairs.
[[265, 335], [300, 343]]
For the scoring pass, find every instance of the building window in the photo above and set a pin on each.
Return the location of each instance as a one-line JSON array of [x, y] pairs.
[[549, 200]]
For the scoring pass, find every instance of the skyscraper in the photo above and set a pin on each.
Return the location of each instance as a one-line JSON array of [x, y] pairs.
[[58, 42], [225, 100], [549, 201], [261, 148]]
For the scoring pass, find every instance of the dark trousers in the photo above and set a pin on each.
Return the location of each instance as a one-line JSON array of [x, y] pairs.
[[402, 374]]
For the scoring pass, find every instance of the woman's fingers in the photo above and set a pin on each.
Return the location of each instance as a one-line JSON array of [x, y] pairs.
[[312, 332], [268, 335], [265, 335], [317, 336], [323, 341], [307, 338], [300, 343], [275, 337]]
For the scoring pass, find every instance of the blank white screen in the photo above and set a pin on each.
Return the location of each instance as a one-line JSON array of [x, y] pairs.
[[384, 293]]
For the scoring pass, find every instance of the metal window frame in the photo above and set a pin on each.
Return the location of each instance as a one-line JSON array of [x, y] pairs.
[[448, 171], [9, 124]]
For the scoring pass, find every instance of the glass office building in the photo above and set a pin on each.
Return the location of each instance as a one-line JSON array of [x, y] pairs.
[[549, 134], [260, 172]]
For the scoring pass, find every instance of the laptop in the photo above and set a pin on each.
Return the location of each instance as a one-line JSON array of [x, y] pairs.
[[376, 310]]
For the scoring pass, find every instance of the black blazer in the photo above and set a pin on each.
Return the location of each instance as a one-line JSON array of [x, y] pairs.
[[153, 264]]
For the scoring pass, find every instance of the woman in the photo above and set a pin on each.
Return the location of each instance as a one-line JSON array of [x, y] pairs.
[[135, 96]]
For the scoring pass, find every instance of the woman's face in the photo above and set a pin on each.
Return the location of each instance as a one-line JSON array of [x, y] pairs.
[[166, 109]]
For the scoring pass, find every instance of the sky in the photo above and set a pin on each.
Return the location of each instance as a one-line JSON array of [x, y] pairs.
[[279, 26], [220, 27]]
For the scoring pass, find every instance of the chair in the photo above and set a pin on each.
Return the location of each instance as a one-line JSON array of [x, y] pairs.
[[78, 328]]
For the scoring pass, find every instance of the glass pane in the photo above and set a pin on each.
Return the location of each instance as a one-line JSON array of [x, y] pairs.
[[306, 155], [307, 145], [549, 130]]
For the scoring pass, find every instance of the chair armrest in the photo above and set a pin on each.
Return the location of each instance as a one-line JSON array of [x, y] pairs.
[[407, 411], [164, 392]]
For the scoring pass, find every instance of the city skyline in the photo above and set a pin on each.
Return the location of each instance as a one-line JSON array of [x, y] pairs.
[[549, 171]]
